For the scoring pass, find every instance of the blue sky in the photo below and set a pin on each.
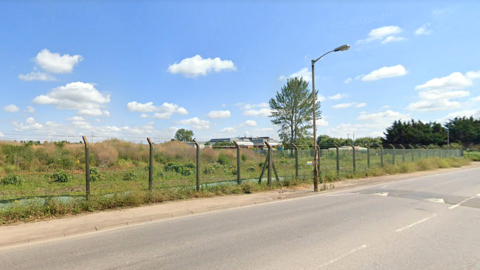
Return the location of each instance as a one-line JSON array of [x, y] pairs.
[[132, 69]]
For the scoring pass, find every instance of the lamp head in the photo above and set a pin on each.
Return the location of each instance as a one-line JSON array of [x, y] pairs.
[[342, 48]]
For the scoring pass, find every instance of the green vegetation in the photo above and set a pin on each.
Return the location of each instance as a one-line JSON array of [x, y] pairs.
[[184, 135]]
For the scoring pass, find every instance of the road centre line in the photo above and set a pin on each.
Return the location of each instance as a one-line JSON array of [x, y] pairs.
[[343, 255], [460, 203], [416, 223]]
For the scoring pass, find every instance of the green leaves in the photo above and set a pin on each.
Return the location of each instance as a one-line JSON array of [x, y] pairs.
[[292, 110], [184, 135]]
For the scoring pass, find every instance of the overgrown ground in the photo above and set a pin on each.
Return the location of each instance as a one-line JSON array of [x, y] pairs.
[[120, 174]]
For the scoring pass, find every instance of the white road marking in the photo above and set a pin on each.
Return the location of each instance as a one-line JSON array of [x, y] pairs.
[[344, 255], [416, 223], [478, 195], [342, 194], [435, 200], [460, 203], [385, 186], [381, 194]]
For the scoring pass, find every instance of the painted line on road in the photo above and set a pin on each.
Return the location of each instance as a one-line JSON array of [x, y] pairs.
[[435, 200], [416, 223], [344, 255], [460, 203], [384, 194], [342, 194], [384, 186]]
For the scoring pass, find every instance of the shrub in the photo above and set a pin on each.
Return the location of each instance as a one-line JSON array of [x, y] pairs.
[[106, 154], [185, 169], [12, 179], [129, 176], [95, 174], [60, 176], [244, 157], [223, 159]]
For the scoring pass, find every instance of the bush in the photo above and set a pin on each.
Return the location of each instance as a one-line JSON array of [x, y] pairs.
[[223, 159], [95, 174], [129, 176], [60, 176], [244, 157], [185, 169], [12, 179]]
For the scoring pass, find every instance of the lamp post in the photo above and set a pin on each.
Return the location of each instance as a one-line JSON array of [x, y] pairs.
[[315, 155]]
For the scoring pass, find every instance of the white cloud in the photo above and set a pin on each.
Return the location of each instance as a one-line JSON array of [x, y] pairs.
[[56, 63], [321, 123], [195, 123], [164, 111], [197, 66], [386, 34], [392, 39], [303, 73], [423, 30], [2, 135], [385, 72], [75, 118], [342, 105], [249, 123], [338, 96], [79, 96], [218, 114], [143, 115], [351, 104], [228, 130], [260, 113], [320, 98], [11, 108], [30, 109], [437, 93], [476, 99], [244, 106], [263, 129], [36, 76], [383, 117], [348, 80]]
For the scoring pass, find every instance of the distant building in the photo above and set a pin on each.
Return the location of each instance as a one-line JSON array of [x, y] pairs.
[[247, 142]]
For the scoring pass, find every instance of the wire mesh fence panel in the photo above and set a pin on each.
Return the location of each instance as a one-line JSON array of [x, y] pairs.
[[328, 169], [218, 165], [284, 164], [305, 165], [251, 163]]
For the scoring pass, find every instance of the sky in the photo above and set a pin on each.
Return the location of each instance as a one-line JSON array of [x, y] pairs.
[[137, 69]]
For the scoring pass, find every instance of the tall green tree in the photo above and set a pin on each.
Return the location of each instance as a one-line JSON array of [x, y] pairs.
[[292, 110], [415, 132], [184, 135], [464, 130]]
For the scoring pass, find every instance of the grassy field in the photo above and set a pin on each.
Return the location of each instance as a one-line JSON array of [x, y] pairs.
[[119, 173]]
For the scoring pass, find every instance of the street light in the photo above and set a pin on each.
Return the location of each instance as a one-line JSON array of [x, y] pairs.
[[315, 156]]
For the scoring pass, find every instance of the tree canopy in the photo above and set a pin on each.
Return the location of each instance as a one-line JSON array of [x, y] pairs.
[[415, 132], [184, 135], [292, 110]]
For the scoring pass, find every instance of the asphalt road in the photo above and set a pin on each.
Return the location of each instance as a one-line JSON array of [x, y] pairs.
[[429, 222]]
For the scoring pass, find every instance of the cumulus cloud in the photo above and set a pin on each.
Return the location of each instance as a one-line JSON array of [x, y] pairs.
[[229, 130], [164, 111], [218, 114], [249, 123], [385, 72], [439, 93], [259, 113], [303, 73], [348, 105], [30, 109], [384, 34], [347, 80], [79, 96], [56, 63], [338, 96], [423, 30], [244, 106], [195, 123], [198, 66], [464, 113], [11, 108], [36, 76]]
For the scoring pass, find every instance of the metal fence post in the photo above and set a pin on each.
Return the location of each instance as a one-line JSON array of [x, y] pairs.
[[318, 164], [197, 158], [239, 181], [382, 164], [403, 153], [87, 168], [413, 152], [270, 156], [296, 160], [150, 166], [368, 155], [393, 156], [338, 159], [353, 156]]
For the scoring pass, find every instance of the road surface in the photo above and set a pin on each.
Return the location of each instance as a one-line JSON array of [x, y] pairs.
[[430, 222]]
